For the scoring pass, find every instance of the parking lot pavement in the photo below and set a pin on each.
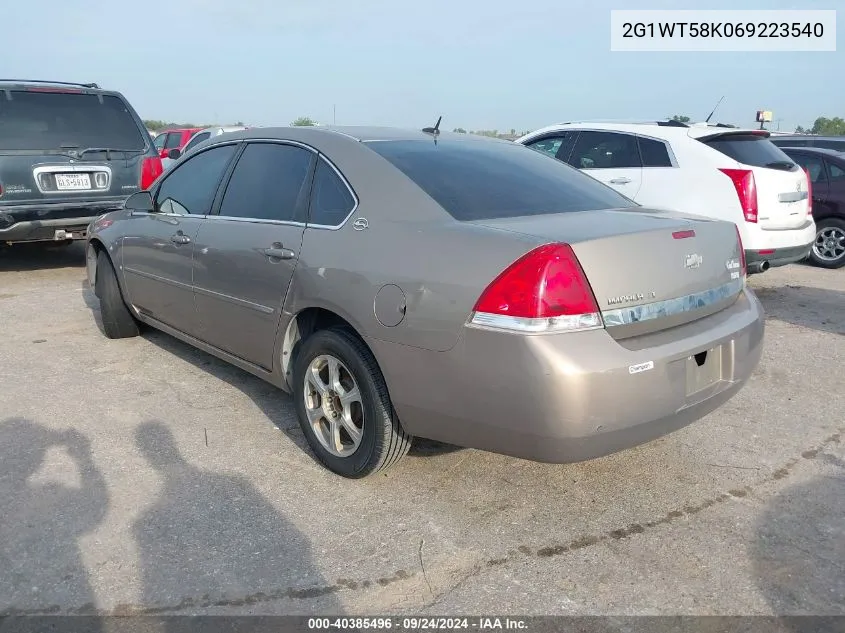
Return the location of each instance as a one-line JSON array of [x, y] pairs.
[[141, 476]]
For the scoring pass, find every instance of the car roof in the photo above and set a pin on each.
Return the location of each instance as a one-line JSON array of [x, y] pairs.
[[816, 150], [362, 134], [59, 86], [661, 129]]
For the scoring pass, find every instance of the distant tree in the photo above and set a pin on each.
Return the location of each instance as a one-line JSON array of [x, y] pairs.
[[800, 130], [680, 118], [829, 127], [303, 121], [459, 130], [492, 133], [513, 132]]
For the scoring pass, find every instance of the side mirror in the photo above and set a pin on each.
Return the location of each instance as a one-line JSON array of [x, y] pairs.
[[174, 154], [140, 201]]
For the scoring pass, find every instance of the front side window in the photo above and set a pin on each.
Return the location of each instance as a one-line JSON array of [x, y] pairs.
[[174, 139], [199, 138], [191, 187], [478, 180], [331, 201], [836, 172], [270, 182], [605, 150], [549, 145]]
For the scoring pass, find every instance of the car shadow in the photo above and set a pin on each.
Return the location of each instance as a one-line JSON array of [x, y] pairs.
[[45, 513], [212, 540], [798, 552], [41, 256], [805, 306]]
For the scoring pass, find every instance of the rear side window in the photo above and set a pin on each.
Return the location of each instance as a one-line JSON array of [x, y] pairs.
[[815, 166], [270, 182], [839, 146], [56, 120], [836, 172], [750, 149], [331, 201], [605, 150], [159, 141], [654, 153], [191, 187], [477, 180]]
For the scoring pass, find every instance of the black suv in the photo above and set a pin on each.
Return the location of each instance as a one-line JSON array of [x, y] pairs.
[[68, 154]]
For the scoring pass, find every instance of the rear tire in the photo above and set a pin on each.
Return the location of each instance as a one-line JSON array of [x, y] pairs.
[[118, 321], [828, 250], [377, 440]]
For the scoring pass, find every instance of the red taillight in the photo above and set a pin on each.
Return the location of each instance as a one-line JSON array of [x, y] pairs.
[[746, 189], [543, 291], [743, 269], [809, 193], [151, 168]]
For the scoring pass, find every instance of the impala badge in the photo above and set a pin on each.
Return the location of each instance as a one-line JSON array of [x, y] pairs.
[[693, 260]]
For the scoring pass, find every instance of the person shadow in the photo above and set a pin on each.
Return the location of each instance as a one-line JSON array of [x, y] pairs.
[[42, 520], [798, 552], [212, 543]]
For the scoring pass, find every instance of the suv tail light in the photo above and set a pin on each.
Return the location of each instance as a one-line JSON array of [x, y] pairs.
[[743, 268], [746, 189], [809, 193], [545, 290], [151, 168]]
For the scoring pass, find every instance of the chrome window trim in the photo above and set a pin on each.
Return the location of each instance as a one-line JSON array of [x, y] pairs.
[[671, 307], [72, 168], [335, 227]]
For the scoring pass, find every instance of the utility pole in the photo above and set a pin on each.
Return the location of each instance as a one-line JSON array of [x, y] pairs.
[[334, 115]]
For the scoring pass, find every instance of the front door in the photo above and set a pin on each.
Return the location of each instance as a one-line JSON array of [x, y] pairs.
[[157, 252], [610, 157], [245, 255]]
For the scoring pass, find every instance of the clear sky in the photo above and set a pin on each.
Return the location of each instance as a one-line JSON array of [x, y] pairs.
[[482, 64]]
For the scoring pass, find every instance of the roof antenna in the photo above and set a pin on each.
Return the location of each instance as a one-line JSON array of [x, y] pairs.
[[707, 120], [434, 130]]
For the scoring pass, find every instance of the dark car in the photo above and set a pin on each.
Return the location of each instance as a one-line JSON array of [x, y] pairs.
[[68, 154], [808, 140], [827, 172]]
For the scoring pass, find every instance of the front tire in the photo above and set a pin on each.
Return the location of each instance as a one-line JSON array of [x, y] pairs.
[[343, 405], [118, 321], [829, 248]]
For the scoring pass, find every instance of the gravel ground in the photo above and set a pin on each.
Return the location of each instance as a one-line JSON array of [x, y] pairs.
[[142, 476]]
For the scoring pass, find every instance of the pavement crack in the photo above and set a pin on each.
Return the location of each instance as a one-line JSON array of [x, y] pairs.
[[422, 566]]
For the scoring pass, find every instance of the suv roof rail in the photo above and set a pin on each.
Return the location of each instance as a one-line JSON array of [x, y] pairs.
[[55, 83]]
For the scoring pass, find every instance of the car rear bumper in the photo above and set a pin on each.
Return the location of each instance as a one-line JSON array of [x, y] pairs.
[[44, 222], [570, 397], [776, 256]]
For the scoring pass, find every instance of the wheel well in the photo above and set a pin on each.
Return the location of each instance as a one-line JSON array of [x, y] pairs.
[[303, 325]]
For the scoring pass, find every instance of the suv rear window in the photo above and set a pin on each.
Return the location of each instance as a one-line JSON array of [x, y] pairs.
[[53, 120], [478, 180], [751, 149]]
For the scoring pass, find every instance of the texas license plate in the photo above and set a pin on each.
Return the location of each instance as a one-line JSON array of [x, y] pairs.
[[66, 182], [703, 370]]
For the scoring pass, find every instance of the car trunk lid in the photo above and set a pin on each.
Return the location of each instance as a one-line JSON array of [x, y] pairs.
[[649, 270]]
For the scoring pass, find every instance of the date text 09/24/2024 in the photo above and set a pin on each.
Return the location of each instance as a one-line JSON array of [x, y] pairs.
[[417, 624]]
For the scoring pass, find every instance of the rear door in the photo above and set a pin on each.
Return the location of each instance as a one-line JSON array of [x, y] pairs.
[[610, 157], [246, 254], [781, 184], [158, 248]]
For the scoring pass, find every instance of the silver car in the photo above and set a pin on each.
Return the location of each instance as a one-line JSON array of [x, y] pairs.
[[408, 283], [196, 139]]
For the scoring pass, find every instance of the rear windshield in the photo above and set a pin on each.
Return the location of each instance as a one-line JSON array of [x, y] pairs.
[[477, 180], [751, 149], [53, 120]]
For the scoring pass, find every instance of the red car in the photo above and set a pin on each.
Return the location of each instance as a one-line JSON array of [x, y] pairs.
[[173, 139]]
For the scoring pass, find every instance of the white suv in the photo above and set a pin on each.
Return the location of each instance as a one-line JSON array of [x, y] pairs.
[[713, 171]]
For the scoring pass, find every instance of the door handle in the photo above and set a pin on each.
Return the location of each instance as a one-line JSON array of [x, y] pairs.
[[277, 251], [180, 238], [620, 181]]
